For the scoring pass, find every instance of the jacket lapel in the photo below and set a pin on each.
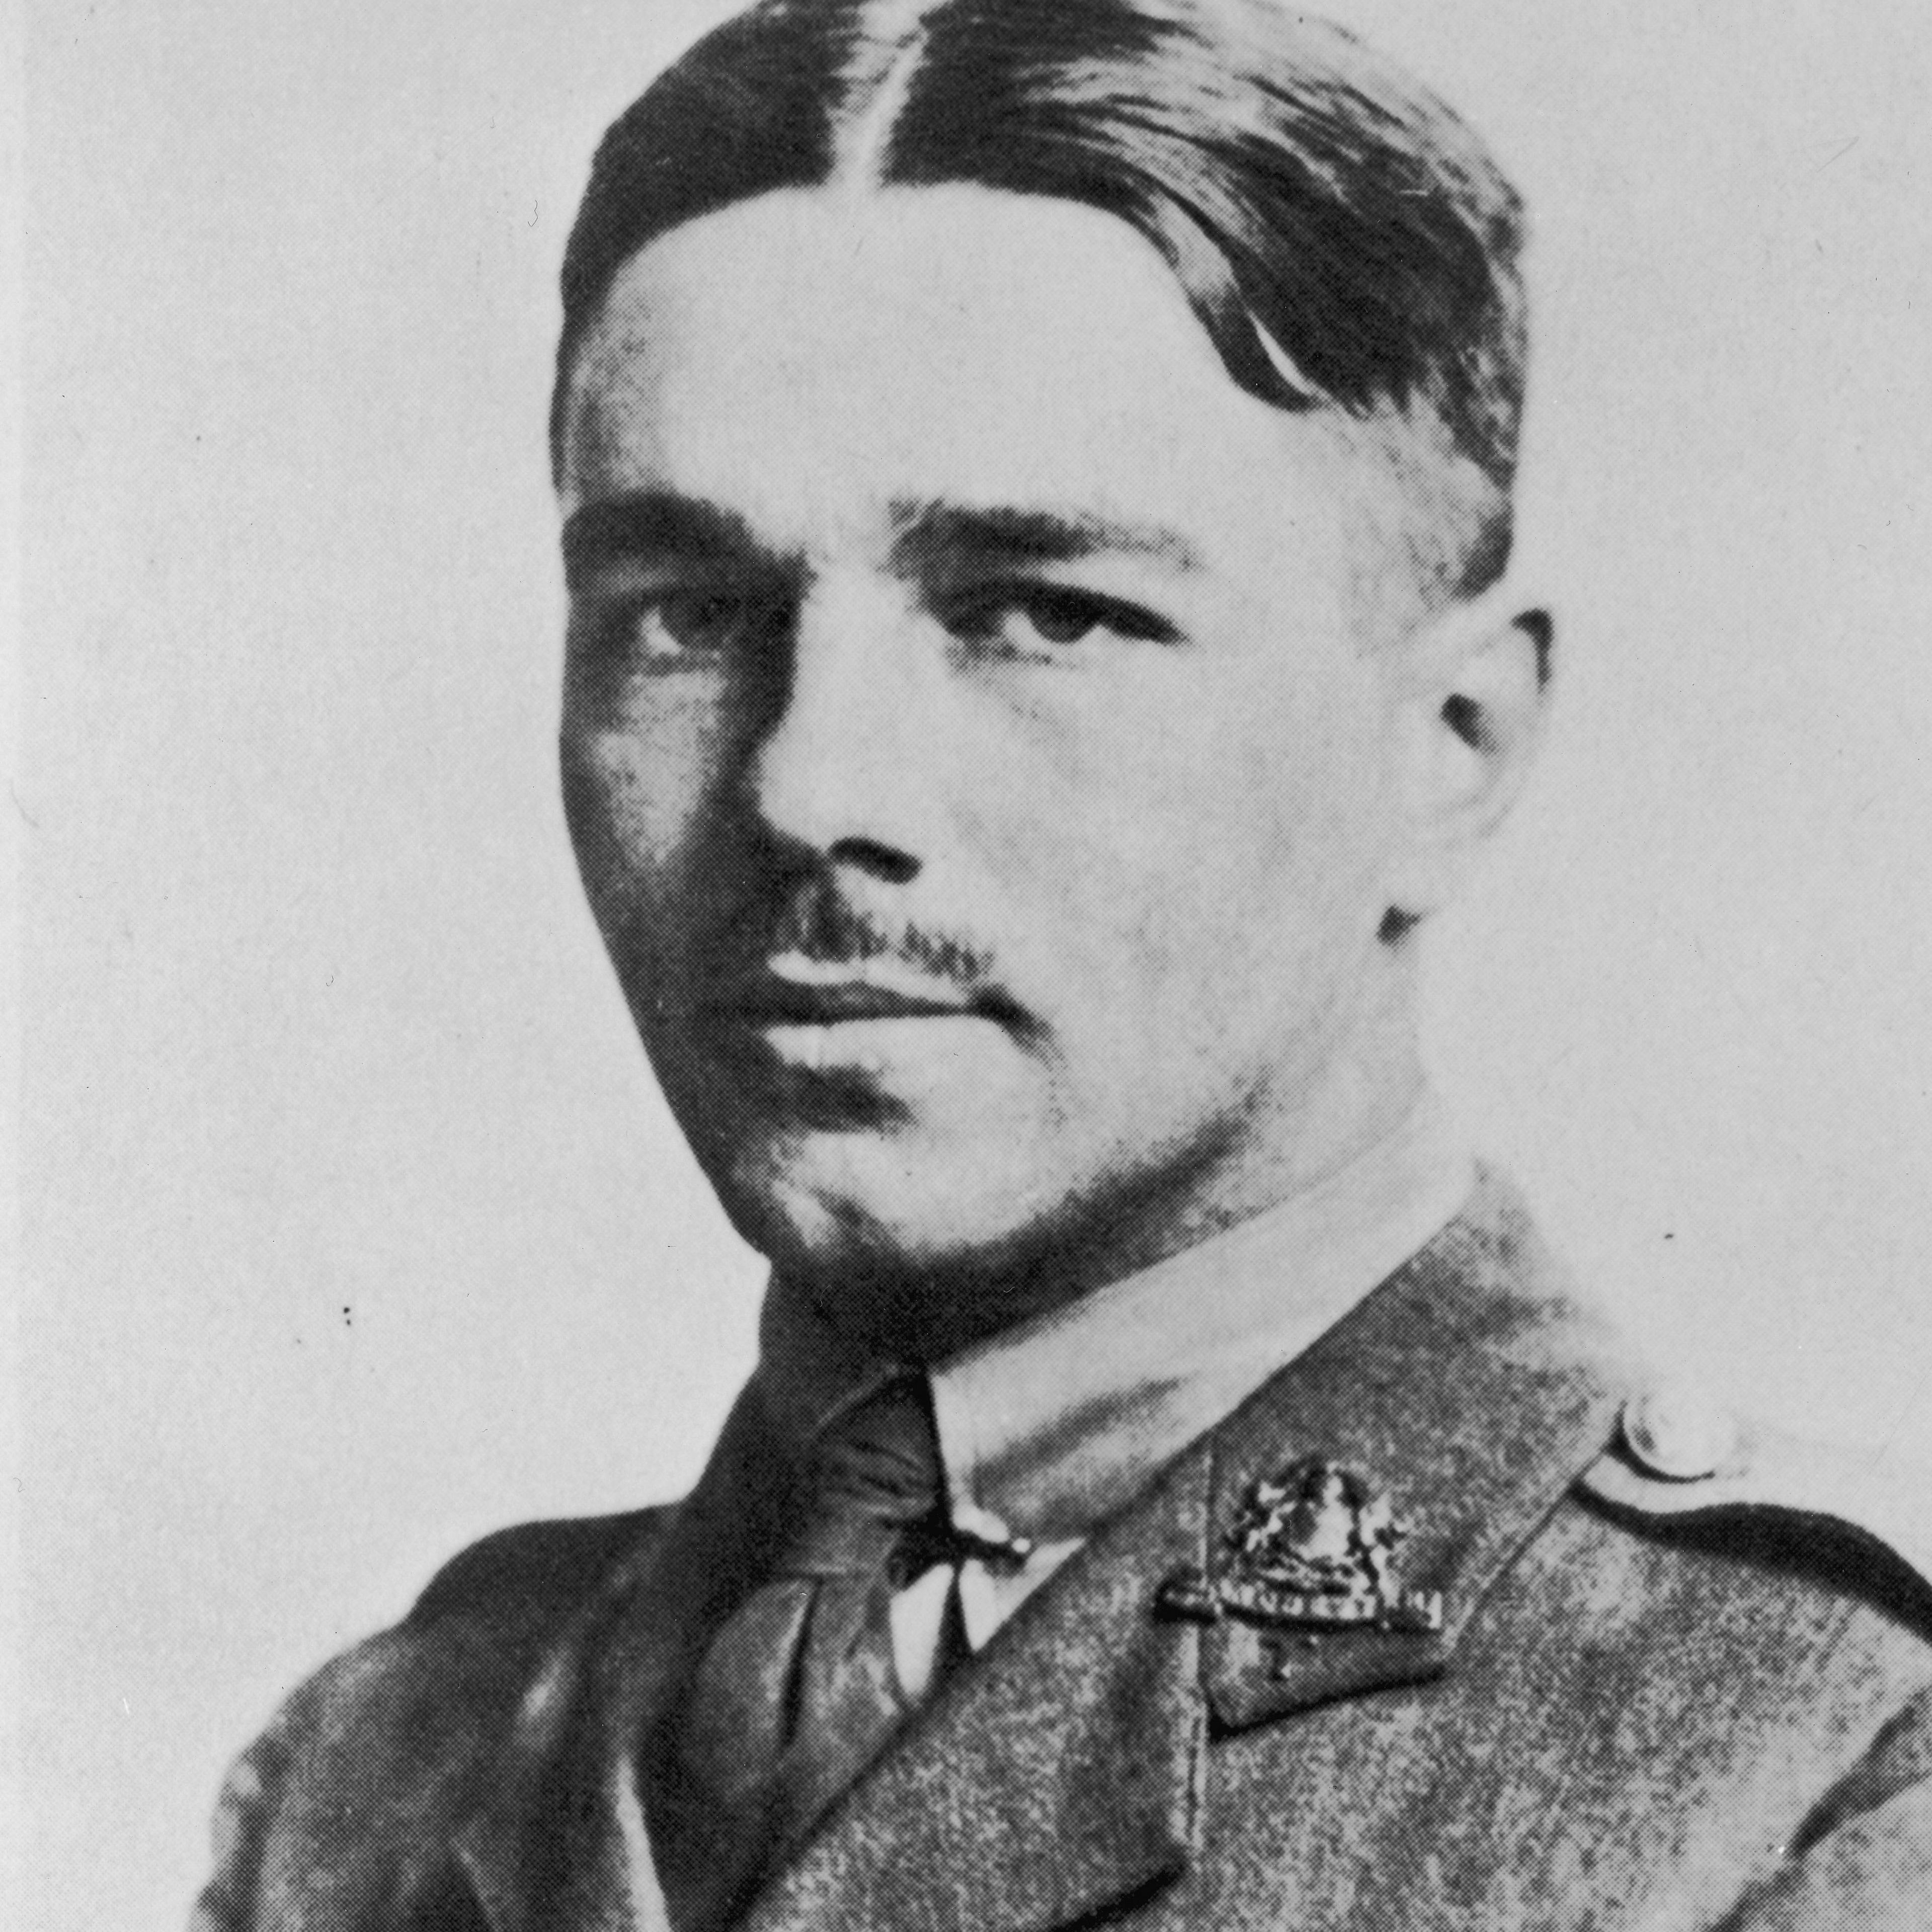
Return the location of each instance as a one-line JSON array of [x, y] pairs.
[[555, 1838], [1470, 1389], [1057, 1776], [549, 1843]]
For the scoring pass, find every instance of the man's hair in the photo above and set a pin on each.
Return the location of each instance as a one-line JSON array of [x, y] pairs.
[[1346, 241]]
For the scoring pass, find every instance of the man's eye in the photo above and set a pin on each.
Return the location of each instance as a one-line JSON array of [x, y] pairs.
[[670, 627], [1037, 616]]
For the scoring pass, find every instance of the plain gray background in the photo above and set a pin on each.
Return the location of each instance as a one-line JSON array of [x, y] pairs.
[[355, 1226]]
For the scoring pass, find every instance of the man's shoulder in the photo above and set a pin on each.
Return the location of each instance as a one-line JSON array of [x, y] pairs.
[[1850, 1522], [1775, 1611], [465, 1653], [384, 1742], [480, 1628], [535, 1572]]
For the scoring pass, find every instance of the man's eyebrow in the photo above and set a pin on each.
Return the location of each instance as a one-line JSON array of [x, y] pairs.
[[949, 533], [649, 523]]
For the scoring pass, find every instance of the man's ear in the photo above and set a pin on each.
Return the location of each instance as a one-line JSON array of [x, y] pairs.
[[1472, 695]]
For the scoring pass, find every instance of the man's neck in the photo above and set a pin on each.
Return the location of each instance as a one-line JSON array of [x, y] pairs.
[[1054, 1421]]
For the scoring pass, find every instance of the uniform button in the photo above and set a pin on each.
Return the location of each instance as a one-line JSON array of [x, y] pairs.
[[1678, 1434]]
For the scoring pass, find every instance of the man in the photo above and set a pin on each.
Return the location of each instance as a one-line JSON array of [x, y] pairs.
[[1036, 493]]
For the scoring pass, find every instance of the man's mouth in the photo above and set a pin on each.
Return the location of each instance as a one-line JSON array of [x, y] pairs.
[[796, 991]]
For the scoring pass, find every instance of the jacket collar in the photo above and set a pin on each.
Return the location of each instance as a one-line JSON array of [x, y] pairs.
[[1062, 1772]]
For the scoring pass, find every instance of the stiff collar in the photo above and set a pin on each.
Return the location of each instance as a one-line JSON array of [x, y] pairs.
[[1052, 1426]]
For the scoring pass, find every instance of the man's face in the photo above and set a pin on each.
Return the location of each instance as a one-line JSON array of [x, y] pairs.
[[974, 766]]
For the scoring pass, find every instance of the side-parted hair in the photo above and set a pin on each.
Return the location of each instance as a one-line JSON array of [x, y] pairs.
[[1345, 239]]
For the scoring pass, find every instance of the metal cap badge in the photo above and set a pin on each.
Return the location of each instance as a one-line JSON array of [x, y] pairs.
[[1314, 1546]]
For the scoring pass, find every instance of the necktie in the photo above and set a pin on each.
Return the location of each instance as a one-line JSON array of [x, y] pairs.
[[795, 1690]]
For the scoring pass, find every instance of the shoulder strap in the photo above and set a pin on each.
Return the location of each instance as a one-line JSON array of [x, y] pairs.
[[1682, 1459]]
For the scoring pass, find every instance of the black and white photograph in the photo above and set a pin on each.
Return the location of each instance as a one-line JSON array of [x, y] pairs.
[[976, 967]]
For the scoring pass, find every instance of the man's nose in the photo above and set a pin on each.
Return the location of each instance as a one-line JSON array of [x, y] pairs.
[[845, 767]]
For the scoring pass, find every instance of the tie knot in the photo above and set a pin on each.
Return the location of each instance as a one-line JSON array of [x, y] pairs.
[[872, 1474]]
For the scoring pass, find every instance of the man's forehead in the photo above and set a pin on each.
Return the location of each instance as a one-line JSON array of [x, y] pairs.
[[951, 346]]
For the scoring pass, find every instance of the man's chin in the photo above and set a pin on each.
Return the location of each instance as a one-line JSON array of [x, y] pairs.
[[902, 1147], [817, 1225], [906, 1258]]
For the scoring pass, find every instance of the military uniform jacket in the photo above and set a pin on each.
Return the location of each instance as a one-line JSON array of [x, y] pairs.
[[1653, 1702]]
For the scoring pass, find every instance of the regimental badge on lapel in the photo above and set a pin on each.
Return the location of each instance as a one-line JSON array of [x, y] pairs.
[[1314, 1546]]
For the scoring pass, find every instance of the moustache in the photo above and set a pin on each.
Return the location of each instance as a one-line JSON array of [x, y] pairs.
[[822, 921], [831, 922]]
